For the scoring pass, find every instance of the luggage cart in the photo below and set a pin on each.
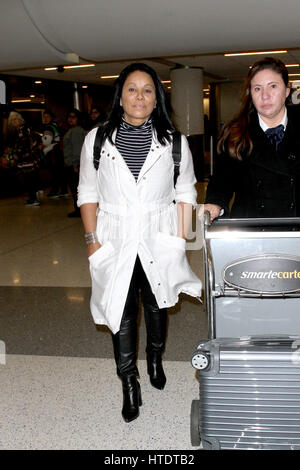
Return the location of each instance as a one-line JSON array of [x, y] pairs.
[[249, 368]]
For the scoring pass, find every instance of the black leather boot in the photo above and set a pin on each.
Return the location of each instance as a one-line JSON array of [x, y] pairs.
[[156, 325], [155, 370], [132, 399], [125, 346]]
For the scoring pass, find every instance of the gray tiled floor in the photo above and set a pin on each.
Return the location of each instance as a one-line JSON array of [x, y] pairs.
[[74, 403]]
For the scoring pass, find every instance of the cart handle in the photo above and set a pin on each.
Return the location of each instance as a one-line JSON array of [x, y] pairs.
[[256, 222], [207, 221]]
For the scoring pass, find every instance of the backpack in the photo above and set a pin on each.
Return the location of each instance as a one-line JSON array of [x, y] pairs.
[[176, 151]]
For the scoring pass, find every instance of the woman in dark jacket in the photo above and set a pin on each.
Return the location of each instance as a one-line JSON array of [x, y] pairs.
[[259, 150]]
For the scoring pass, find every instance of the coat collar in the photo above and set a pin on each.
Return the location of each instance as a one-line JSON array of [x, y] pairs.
[[291, 130], [155, 152], [265, 126]]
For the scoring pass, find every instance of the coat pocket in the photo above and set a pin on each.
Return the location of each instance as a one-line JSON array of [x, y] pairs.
[[171, 240], [101, 254], [171, 268], [102, 267]]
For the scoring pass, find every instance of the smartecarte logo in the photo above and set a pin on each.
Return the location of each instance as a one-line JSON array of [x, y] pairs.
[[264, 274], [270, 274]]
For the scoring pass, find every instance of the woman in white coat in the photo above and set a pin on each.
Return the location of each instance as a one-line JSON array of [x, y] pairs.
[[135, 224]]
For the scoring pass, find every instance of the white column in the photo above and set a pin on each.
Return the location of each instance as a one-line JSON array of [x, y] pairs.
[[2, 92], [76, 97], [188, 116], [187, 100]]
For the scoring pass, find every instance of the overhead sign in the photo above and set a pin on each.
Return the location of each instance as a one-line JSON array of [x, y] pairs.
[[264, 274]]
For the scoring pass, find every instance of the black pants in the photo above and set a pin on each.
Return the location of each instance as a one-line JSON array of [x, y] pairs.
[[31, 182], [125, 341]]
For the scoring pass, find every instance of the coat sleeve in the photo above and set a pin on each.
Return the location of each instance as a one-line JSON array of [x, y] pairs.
[[185, 186], [87, 188], [222, 184]]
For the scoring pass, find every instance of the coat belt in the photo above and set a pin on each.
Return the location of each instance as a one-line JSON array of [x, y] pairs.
[[142, 207]]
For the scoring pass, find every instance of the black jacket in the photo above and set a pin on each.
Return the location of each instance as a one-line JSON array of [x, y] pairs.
[[267, 182]]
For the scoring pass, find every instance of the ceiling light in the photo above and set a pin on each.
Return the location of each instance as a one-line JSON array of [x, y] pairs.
[[294, 74], [109, 76], [21, 101], [81, 66], [38, 82], [78, 66], [84, 86], [292, 65], [166, 81], [75, 298], [254, 53]]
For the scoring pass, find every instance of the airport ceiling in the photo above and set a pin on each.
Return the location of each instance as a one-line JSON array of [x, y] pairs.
[[163, 33]]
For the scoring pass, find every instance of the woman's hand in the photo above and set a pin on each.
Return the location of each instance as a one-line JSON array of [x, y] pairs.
[[213, 209], [92, 247]]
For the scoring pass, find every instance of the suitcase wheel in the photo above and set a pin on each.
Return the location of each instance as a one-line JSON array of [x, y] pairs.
[[200, 360], [195, 422]]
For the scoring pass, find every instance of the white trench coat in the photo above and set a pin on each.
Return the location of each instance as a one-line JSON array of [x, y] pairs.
[[136, 218]]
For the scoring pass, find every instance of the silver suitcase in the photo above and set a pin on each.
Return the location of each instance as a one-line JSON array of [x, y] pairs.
[[249, 394], [249, 369]]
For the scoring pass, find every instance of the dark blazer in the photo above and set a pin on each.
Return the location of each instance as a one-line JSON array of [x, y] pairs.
[[267, 182]]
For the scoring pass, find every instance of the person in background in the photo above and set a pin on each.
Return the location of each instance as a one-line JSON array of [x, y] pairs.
[[72, 144], [97, 117], [135, 233], [26, 147], [53, 155], [259, 150]]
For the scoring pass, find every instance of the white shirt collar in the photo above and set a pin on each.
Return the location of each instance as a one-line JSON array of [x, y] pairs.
[[264, 126]]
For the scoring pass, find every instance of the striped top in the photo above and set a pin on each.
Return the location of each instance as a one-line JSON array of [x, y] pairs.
[[133, 143]]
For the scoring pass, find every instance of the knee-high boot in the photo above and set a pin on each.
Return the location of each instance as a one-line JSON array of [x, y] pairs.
[[156, 327], [156, 324], [125, 351], [124, 343]]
